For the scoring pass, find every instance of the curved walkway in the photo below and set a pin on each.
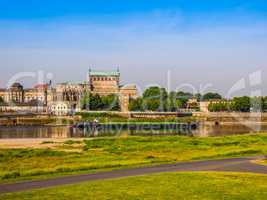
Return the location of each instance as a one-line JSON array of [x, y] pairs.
[[227, 165]]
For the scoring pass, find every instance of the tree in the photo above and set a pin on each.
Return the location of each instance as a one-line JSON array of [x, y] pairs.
[[183, 98], [85, 100], [110, 102], [155, 92], [154, 105], [173, 103], [211, 96], [198, 96], [218, 107], [1, 100], [96, 102], [257, 104], [136, 104], [154, 98], [241, 104], [264, 107]]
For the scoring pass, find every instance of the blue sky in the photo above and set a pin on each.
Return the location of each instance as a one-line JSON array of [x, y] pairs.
[[212, 43]]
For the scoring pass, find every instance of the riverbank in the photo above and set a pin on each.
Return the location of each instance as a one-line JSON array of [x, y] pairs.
[[102, 154], [103, 117], [37, 143]]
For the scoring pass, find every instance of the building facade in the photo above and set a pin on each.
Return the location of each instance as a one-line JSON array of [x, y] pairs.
[[16, 94], [104, 83], [65, 98]]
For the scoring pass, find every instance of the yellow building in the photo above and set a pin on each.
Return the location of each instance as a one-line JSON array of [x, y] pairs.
[[108, 82]]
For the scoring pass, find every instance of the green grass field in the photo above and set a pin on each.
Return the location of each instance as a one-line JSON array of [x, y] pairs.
[[172, 186], [122, 152]]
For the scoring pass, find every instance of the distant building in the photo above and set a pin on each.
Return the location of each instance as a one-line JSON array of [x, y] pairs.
[[64, 98], [192, 103], [106, 83], [18, 95], [59, 108]]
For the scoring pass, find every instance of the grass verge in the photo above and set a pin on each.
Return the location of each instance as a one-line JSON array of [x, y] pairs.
[[122, 152], [186, 186]]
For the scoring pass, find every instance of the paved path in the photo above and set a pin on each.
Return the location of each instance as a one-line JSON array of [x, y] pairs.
[[231, 165]]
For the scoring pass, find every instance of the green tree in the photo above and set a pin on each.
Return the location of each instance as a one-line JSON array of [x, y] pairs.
[[155, 92], [183, 98], [218, 107], [1, 100], [154, 105], [211, 96], [136, 104], [241, 104], [111, 102], [198, 96], [264, 107], [257, 104], [154, 98], [96, 102], [85, 100], [173, 102]]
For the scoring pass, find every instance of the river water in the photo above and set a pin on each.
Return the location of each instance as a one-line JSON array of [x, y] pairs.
[[203, 130]]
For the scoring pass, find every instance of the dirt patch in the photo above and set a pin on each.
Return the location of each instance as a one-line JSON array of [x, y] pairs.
[[53, 143]]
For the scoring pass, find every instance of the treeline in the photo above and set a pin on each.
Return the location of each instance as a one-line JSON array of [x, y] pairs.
[[95, 102], [153, 99], [240, 104], [158, 99]]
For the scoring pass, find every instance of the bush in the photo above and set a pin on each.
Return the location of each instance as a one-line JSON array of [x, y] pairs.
[[11, 175]]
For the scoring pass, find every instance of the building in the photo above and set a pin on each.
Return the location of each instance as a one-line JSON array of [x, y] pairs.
[[193, 104], [18, 95], [65, 98], [103, 82], [126, 93], [106, 83], [59, 108]]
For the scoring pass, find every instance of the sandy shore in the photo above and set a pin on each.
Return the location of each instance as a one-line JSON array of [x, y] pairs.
[[34, 143]]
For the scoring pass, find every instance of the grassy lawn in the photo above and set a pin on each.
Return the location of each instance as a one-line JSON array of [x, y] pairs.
[[191, 186], [122, 152]]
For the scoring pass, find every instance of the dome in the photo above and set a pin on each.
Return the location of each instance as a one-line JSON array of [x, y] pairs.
[[16, 86]]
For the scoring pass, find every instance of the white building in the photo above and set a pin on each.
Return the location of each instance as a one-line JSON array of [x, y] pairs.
[[59, 108]]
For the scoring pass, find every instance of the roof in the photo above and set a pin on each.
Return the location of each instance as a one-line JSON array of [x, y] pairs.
[[129, 86], [16, 85], [41, 86], [104, 73], [72, 83]]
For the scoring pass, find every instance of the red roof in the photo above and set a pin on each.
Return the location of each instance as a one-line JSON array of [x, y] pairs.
[[41, 86]]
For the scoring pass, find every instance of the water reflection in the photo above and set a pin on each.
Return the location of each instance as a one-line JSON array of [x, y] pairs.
[[203, 130], [72, 132]]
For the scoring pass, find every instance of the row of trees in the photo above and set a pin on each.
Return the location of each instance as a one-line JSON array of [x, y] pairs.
[[153, 99], [241, 104], [158, 99], [95, 102]]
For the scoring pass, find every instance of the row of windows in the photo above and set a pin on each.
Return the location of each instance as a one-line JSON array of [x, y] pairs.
[[34, 98], [59, 107], [103, 79]]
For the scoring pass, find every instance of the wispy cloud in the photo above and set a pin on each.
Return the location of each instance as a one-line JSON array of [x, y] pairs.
[[156, 42]]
